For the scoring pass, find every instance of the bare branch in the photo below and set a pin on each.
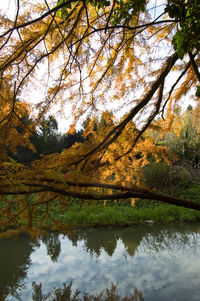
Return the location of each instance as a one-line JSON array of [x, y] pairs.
[[25, 24], [14, 25], [194, 65]]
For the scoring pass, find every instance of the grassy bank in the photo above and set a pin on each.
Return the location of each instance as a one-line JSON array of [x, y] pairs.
[[121, 215], [116, 215]]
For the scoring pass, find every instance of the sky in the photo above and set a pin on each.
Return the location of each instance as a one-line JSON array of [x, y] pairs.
[[8, 7]]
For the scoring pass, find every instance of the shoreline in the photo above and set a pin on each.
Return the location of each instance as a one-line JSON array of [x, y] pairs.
[[96, 216]]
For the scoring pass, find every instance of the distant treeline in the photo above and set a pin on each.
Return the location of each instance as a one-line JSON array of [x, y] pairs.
[[45, 140]]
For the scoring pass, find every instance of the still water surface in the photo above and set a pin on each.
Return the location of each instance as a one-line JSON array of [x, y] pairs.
[[163, 262]]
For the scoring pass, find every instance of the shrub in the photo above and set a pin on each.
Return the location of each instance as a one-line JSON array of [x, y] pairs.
[[163, 176]]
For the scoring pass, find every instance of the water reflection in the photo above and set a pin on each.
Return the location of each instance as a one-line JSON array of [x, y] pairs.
[[65, 294], [161, 262], [53, 245], [14, 263], [156, 239]]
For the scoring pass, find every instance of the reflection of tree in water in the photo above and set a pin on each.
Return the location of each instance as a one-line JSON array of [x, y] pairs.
[[52, 242], [65, 294], [14, 263], [131, 238], [97, 239], [176, 237], [154, 238], [14, 255]]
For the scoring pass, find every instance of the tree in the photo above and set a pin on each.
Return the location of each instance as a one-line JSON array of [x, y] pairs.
[[186, 141], [183, 138], [47, 140], [107, 52], [44, 140]]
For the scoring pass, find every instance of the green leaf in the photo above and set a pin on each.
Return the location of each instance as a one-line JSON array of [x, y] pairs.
[[198, 91], [60, 2], [58, 13], [64, 13]]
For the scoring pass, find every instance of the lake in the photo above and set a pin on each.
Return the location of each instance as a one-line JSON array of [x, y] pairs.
[[162, 262]]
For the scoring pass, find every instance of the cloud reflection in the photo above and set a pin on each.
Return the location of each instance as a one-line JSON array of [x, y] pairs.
[[162, 262]]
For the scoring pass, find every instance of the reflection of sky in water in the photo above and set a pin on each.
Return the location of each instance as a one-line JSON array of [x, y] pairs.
[[162, 268]]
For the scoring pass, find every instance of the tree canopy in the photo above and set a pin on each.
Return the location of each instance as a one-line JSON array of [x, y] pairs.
[[112, 65]]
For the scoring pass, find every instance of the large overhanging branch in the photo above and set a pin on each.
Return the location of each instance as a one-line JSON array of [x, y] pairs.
[[148, 123], [116, 132], [120, 192]]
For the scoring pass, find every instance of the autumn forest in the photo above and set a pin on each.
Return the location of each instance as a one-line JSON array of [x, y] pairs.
[[123, 76]]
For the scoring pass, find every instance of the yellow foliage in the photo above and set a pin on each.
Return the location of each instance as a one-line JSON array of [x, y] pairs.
[[79, 58]]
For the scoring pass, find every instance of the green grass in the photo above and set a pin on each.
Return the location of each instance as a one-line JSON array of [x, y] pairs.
[[117, 215]]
